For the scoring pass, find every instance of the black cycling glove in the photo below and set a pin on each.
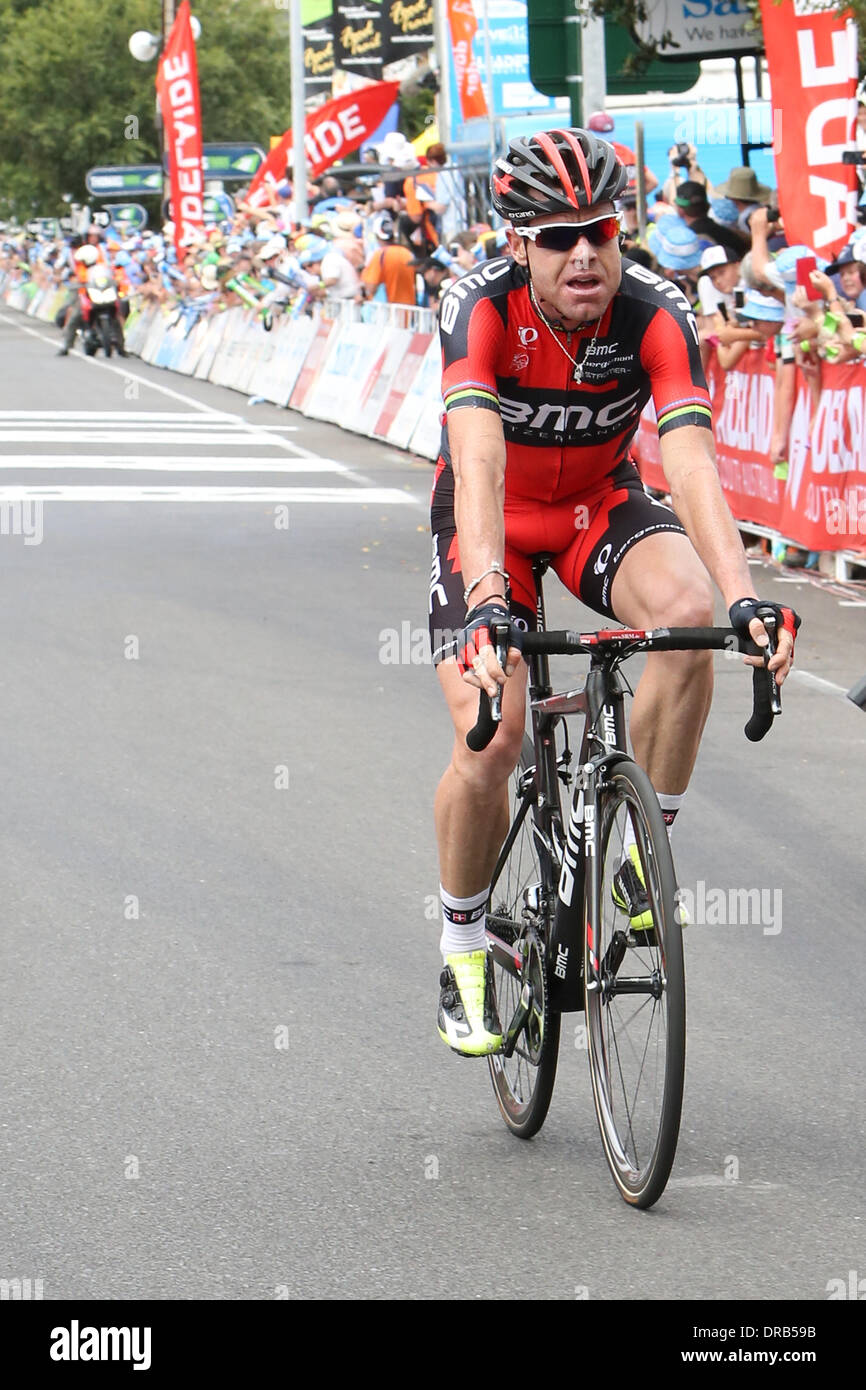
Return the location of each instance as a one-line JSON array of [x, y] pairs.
[[476, 634], [744, 610]]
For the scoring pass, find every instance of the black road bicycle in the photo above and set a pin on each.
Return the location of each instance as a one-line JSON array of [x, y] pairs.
[[561, 922]]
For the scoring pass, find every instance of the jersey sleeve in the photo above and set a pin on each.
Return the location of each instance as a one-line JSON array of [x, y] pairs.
[[471, 330], [670, 354]]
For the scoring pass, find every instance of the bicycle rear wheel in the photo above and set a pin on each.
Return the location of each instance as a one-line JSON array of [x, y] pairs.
[[521, 904], [634, 984]]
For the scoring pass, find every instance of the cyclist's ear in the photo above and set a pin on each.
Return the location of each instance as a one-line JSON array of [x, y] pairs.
[[516, 246]]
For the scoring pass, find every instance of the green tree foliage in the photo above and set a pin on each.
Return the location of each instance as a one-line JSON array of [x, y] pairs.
[[72, 96]]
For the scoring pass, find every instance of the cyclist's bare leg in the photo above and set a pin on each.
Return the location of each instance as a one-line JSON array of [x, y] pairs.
[[472, 798], [662, 583]]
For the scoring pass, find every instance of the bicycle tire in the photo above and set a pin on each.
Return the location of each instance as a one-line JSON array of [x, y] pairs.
[[523, 1083], [636, 1039]]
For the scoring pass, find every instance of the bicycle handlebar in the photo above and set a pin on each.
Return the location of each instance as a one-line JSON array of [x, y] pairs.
[[766, 698]]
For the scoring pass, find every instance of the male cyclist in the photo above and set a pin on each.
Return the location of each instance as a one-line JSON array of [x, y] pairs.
[[549, 357]]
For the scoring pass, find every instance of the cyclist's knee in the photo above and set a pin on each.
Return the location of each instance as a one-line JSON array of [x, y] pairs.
[[495, 763]]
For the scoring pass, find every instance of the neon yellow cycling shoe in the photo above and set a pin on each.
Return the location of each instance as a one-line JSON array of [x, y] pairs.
[[468, 1021], [629, 894]]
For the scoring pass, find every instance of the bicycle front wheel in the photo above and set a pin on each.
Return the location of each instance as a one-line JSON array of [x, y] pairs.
[[634, 984], [521, 901]]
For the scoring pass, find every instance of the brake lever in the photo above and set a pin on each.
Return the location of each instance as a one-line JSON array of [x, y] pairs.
[[775, 693]]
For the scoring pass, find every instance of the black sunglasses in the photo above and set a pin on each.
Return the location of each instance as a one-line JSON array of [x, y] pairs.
[[564, 236]]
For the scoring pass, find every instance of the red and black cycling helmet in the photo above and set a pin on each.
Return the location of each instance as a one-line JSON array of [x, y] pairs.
[[555, 171]]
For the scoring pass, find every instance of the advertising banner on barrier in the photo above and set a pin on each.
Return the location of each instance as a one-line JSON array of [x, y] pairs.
[[821, 505], [315, 356], [381, 367], [401, 382], [812, 57], [743, 422], [824, 506]]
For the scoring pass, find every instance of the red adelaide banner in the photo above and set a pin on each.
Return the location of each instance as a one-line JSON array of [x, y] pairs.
[[177, 89], [821, 505], [331, 131], [464, 25], [812, 57]]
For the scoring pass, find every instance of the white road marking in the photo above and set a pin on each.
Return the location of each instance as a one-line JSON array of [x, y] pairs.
[[852, 603], [121, 417], [172, 463], [131, 436], [199, 406], [807, 678], [377, 496]]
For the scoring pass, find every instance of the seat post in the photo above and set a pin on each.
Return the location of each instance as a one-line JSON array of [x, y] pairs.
[[539, 670]]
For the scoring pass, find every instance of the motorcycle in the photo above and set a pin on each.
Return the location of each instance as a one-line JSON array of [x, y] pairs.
[[101, 312]]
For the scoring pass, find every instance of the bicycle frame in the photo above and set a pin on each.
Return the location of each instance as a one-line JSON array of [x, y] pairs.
[[604, 739]]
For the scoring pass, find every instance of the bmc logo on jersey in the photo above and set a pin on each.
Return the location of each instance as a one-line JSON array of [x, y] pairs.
[[476, 279], [561, 419]]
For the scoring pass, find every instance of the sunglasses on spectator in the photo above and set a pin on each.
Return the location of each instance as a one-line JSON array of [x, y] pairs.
[[564, 236]]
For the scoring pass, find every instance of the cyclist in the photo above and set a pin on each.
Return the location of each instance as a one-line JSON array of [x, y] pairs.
[[549, 356]]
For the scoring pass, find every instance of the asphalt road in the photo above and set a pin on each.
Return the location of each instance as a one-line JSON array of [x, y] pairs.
[[220, 1070]]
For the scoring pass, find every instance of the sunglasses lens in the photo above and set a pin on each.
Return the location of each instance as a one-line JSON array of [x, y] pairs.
[[565, 238]]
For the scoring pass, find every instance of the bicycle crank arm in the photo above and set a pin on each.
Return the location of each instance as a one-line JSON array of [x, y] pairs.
[[521, 1014]]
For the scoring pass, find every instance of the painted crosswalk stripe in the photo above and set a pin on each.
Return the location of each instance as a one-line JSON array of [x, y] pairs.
[[132, 436], [173, 463], [352, 496], [218, 420]]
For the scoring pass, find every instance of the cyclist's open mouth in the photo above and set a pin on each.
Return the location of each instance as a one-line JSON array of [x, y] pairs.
[[583, 285]]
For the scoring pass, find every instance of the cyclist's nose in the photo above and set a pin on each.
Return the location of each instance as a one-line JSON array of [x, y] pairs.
[[582, 252]]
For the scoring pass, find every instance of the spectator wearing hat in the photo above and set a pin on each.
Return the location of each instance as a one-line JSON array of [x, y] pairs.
[[717, 303], [744, 190], [849, 274], [760, 320], [678, 249], [391, 267], [721, 267], [693, 206]]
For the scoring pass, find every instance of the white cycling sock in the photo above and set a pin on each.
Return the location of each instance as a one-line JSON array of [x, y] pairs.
[[463, 923], [670, 803]]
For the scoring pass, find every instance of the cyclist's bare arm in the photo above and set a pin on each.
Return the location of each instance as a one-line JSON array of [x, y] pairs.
[[477, 447], [689, 462]]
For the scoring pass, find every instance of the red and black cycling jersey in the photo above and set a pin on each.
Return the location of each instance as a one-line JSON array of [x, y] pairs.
[[563, 436]]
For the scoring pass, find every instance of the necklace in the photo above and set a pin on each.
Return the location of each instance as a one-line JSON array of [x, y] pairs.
[[579, 367]]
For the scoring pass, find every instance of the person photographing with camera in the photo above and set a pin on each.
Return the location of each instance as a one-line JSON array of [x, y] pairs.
[[684, 168]]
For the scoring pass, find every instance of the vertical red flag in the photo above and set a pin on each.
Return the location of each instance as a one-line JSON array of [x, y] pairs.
[[461, 18], [812, 57], [179, 102]]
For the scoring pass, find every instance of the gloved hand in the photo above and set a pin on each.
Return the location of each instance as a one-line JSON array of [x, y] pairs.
[[470, 643]]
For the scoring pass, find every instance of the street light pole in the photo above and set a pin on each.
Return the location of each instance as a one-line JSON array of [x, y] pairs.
[[299, 157]]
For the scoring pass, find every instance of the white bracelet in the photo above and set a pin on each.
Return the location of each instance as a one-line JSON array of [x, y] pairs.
[[495, 568]]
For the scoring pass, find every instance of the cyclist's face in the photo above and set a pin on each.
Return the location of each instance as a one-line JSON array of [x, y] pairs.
[[573, 286]]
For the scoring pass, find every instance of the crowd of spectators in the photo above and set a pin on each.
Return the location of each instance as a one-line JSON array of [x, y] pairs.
[[399, 232]]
